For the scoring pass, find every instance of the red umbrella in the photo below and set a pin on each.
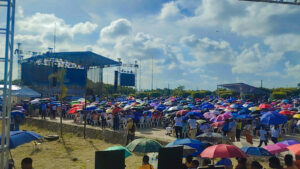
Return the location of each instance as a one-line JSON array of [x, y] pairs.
[[264, 106], [295, 149], [74, 109], [217, 124], [76, 105], [182, 112], [223, 151], [287, 112]]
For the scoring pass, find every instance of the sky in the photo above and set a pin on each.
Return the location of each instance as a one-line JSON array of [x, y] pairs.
[[194, 43]]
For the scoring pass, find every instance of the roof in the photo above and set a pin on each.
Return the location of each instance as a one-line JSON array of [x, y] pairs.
[[243, 88], [84, 58], [22, 91]]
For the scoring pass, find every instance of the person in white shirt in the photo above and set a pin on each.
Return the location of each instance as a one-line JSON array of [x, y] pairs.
[[178, 125], [192, 126], [275, 133], [263, 136]]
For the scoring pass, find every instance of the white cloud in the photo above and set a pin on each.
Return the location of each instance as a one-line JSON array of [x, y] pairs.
[[36, 32], [208, 51], [284, 43], [117, 29], [253, 60], [170, 11], [292, 70]]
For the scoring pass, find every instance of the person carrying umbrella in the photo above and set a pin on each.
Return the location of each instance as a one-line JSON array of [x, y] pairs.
[[131, 128], [146, 164], [178, 125], [238, 130]]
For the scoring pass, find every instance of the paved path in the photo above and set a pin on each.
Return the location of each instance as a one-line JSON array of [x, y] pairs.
[[159, 133]]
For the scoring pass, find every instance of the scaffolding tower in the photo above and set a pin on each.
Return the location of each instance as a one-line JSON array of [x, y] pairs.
[[7, 60]]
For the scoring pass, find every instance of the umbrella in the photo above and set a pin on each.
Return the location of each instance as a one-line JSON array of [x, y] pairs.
[[286, 112], [223, 151], [143, 145], [273, 118], [18, 138], [189, 142], [90, 108], [244, 111], [276, 148], [175, 108], [296, 116], [200, 121], [264, 106], [289, 142], [211, 137], [194, 113], [256, 151], [254, 108], [208, 106], [285, 101], [244, 116], [234, 106], [127, 152], [74, 110], [295, 149], [182, 112], [209, 115], [218, 124]]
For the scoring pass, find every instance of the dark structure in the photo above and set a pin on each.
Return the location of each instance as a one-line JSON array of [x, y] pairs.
[[127, 79], [243, 88], [290, 2], [38, 71]]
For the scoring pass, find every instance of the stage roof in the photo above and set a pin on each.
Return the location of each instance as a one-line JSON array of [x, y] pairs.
[[243, 88], [85, 58]]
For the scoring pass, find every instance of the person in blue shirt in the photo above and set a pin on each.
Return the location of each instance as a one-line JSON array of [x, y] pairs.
[[225, 127]]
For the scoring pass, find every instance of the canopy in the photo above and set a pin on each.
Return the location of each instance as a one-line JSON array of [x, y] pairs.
[[22, 91], [243, 88]]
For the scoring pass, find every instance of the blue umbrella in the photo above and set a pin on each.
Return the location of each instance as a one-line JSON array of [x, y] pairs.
[[244, 111], [90, 108], [208, 106], [194, 113], [198, 145], [244, 116], [160, 107], [256, 151], [285, 101], [273, 118], [18, 138]]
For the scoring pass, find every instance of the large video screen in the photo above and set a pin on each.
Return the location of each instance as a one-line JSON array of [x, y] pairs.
[[39, 75], [127, 79]]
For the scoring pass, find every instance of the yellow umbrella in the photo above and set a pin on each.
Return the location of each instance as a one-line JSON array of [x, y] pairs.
[[254, 108], [297, 116]]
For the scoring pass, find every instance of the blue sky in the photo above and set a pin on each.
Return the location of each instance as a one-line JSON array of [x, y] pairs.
[[195, 43]]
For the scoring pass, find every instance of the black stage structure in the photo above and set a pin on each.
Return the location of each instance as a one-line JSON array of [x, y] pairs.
[[37, 69], [242, 88]]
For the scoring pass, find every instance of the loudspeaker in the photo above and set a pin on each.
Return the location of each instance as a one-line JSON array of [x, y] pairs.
[[170, 158], [116, 80], [114, 159]]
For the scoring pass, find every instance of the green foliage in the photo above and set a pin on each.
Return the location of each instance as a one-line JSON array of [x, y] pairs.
[[279, 95], [155, 94], [186, 94], [201, 94], [142, 95]]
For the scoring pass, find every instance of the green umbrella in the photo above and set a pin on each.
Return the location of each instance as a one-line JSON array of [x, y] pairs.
[[144, 145], [127, 152]]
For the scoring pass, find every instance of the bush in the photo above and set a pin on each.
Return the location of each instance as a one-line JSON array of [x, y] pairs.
[[142, 94], [186, 94], [279, 95], [155, 94]]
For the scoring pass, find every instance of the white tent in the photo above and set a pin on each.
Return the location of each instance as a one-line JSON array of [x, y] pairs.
[[22, 92]]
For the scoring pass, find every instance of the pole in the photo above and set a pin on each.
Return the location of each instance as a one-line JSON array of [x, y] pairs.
[[84, 127], [140, 84], [261, 83], [152, 75]]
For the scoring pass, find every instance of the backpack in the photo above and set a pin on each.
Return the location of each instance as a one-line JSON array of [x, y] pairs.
[[132, 130]]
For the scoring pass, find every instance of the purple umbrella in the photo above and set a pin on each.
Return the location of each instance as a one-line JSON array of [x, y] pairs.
[[154, 104], [289, 142], [209, 115], [276, 148]]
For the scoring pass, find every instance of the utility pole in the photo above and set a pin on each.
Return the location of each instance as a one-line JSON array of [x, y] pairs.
[[261, 84], [152, 74], [140, 84]]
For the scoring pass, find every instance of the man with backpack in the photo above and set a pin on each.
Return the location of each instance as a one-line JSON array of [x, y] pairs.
[[131, 128]]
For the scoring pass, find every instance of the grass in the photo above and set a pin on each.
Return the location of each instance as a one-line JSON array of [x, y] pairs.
[[69, 152]]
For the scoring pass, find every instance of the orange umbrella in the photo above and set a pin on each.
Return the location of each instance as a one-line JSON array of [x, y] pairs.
[[295, 149], [218, 124]]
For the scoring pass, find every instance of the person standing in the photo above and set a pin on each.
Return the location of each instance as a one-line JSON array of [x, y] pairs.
[[131, 128], [53, 111], [225, 127], [275, 132], [232, 130], [247, 130], [238, 130], [262, 136], [178, 125], [192, 125], [43, 109]]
